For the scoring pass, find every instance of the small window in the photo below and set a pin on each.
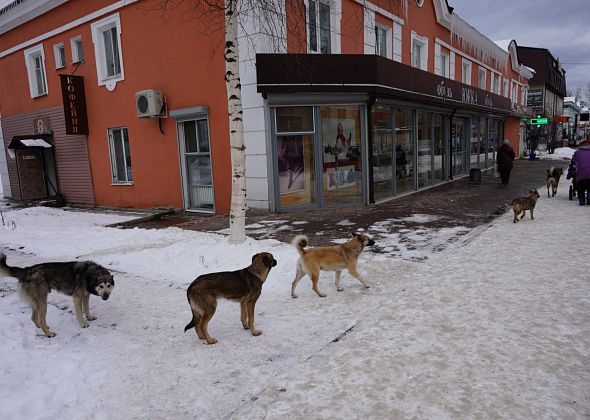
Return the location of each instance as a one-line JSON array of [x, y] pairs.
[[506, 88], [59, 52], [120, 156], [481, 78], [380, 41], [106, 35], [419, 52], [445, 64], [318, 17], [77, 52], [35, 63], [466, 72]]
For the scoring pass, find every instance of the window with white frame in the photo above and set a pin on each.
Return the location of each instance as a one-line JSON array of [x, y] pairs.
[[493, 82], [506, 86], [481, 78], [77, 51], [120, 156], [318, 19], [514, 93], [35, 63], [419, 51], [106, 35], [445, 64], [466, 71], [59, 52], [380, 41]]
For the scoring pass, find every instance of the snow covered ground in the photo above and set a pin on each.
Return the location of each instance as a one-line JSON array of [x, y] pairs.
[[564, 153], [494, 325]]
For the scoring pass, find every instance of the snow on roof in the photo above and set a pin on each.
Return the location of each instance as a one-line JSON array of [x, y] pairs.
[[503, 43], [569, 99], [533, 70], [470, 38]]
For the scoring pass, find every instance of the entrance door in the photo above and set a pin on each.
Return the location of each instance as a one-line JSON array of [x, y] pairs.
[[30, 173], [458, 145], [198, 179]]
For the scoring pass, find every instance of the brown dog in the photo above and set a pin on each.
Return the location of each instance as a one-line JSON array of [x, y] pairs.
[[553, 175], [522, 204], [328, 258], [243, 286]]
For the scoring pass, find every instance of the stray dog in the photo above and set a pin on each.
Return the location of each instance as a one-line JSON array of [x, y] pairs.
[[553, 175], [522, 204], [328, 258], [76, 279], [243, 286]]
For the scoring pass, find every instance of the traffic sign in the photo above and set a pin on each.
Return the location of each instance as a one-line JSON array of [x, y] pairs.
[[539, 121]]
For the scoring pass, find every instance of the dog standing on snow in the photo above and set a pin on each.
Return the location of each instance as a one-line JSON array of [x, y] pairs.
[[553, 175], [328, 258], [522, 204], [78, 279]]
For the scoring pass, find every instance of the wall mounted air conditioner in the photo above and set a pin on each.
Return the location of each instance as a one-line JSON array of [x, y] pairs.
[[149, 103]]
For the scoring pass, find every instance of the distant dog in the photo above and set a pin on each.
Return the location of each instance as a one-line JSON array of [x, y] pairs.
[[328, 258], [553, 175], [76, 279], [522, 204], [242, 286]]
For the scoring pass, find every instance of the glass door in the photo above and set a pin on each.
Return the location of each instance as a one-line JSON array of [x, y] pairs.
[[198, 179], [342, 164], [383, 180], [458, 145], [404, 150], [440, 158], [425, 156], [295, 152]]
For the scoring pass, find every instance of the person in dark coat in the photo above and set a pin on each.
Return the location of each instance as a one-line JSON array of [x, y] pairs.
[[504, 159]]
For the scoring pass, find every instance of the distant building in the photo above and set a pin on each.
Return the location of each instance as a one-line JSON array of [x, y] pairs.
[[546, 92], [572, 109]]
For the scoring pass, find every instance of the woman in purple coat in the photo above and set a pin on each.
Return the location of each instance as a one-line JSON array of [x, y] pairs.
[[504, 159], [582, 159]]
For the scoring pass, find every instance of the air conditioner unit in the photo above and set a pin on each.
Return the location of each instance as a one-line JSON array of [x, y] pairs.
[[148, 103]]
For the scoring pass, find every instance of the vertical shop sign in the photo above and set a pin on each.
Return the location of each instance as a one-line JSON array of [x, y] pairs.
[[74, 101]]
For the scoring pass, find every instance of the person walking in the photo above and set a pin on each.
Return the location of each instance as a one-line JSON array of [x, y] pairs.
[[504, 159], [582, 159]]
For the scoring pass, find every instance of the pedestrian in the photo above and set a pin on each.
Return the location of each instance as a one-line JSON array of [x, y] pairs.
[[504, 159], [582, 159]]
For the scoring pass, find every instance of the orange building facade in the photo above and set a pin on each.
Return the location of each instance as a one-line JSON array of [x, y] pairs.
[[346, 102]]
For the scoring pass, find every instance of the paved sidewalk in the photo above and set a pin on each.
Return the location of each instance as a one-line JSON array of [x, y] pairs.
[[453, 204]]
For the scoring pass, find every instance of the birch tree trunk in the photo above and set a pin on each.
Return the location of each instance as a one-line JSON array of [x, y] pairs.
[[237, 216]]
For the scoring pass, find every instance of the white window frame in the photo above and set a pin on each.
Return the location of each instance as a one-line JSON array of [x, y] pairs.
[[31, 55], [60, 59], [98, 28], [422, 43], [114, 173], [397, 42], [317, 27], [386, 36], [445, 64], [482, 71], [506, 88], [466, 71], [514, 93], [77, 55]]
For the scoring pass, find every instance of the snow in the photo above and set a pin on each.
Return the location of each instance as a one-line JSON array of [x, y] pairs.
[[562, 153], [493, 325]]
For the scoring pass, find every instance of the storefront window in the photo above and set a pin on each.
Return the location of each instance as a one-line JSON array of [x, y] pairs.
[[474, 143], [440, 161], [382, 123], [424, 149], [458, 142], [340, 132], [404, 150], [295, 156]]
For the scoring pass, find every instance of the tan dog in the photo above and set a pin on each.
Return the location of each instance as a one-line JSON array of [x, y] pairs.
[[522, 204], [328, 258], [243, 286], [553, 175]]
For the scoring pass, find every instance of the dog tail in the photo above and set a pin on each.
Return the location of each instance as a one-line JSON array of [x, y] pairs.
[[300, 242], [8, 271], [190, 325]]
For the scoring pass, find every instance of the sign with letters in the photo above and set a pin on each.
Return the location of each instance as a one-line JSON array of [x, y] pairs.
[[74, 101]]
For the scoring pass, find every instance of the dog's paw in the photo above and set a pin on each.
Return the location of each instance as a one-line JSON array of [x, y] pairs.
[[49, 334], [294, 296], [322, 295], [90, 317], [84, 324], [245, 326], [367, 286], [211, 341], [255, 332], [340, 289]]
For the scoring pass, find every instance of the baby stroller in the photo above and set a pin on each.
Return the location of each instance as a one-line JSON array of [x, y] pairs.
[[571, 174]]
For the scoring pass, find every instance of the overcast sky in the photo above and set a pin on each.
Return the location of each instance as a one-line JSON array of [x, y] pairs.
[[563, 27]]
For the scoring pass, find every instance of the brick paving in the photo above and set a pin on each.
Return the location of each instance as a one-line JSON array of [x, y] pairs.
[[453, 204]]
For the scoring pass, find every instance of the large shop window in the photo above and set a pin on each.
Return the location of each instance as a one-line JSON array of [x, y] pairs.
[[295, 156], [342, 167], [319, 27], [120, 156], [35, 63], [383, 167], [106, 35], [404, 150]]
